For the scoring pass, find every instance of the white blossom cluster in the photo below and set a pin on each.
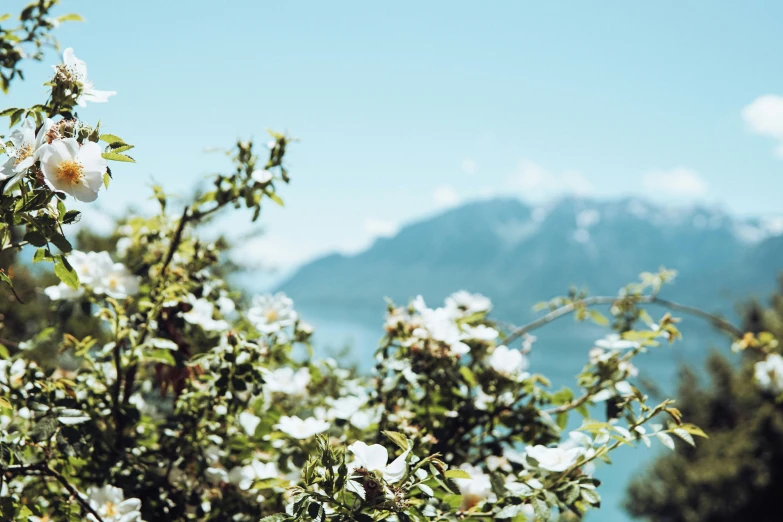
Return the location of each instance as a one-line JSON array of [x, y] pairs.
[[98, 273], [69, 166]]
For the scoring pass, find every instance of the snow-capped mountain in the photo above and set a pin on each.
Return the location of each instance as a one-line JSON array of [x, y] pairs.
[[520, 255]]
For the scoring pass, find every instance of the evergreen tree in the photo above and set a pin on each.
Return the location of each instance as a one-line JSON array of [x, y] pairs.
[[737, 474]]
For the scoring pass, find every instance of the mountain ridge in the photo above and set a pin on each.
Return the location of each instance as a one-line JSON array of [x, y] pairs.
[[519, 254]]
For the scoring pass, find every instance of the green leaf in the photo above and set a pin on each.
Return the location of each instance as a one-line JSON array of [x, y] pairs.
[[510, 511], [693, 430], [274, 197], [62, 243], [66, 273], [111, 138], [16, 117], [277, 517], [316, 511], [399, 439], [70, 417], [160, 355], [684, 435], [598, 318], [120, 147], [41, 255], [44, 429], [541, 510], [70, 17], [665, 439], [72, 216], [117, 157], [35, 238], [4, 278], [457, 474], [454, 501], [467, 374], [591, 496]]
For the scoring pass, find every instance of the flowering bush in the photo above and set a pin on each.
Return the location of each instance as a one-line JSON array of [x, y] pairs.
[[186, 401]]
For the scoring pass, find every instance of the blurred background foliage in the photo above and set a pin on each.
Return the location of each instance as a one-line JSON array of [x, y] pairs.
[[737, 474]]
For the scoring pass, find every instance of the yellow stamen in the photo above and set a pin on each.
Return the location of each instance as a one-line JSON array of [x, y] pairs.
[[23, 153], [111, 509], [70, 171], [271, 315]]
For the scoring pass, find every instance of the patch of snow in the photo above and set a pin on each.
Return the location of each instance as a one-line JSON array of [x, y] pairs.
[[581, 235], [587, 218]]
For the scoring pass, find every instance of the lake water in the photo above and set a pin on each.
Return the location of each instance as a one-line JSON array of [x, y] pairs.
[[559, 353]]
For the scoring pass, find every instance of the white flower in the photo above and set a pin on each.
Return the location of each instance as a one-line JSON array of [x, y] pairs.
[[344, 407], [285, 380], [226, 306], [375, 458], [63, 292], [261, 176], [21, 154], [271, 313], [96, 270], [469, 303], [440, 325], [769, 373], [621, 389], [615, 342], [116, 281], [480, 333], [249, 422], [77, 71], [244, 476], [74, 169], [12, 373], [627, 369], [508, 362], [122, 246], [110, 503], [91, 266], [554, 459], [475, 489], [301, 429], [365, 418], [201, 314], [216, 475]]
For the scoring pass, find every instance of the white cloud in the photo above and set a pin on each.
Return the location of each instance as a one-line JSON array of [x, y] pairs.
[[446, 196], [535, 182], [469, 166], [380, 227], [676, 182], [270, 252], [765, 116]]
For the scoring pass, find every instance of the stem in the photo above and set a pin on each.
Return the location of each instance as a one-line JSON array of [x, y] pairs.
[[175, 241], [118, 420], [9, 246], [713, 319], [44, 469]]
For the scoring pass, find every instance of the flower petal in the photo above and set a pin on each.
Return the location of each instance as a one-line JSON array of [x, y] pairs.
[[395, 471]]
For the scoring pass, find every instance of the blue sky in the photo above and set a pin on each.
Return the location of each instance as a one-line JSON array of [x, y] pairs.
[[403, 108]]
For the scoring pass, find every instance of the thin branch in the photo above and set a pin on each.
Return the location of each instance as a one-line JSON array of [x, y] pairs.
[[713, 319], [44, 469], [175, 241], [570, 405], [9, 246]]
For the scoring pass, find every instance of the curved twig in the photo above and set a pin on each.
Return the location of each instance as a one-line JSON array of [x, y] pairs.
[[44, 470], [713, 319]]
